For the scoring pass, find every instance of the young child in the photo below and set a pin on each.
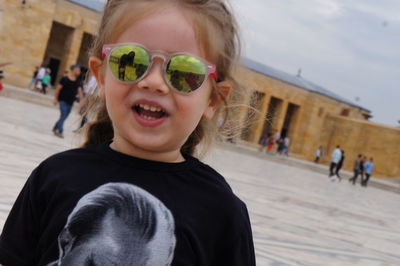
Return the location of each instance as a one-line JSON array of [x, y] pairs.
[[46, 81], [33, 80], [134, 194]]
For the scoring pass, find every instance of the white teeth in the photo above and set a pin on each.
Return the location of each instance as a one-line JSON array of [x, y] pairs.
[[150, 108], [148, 117]]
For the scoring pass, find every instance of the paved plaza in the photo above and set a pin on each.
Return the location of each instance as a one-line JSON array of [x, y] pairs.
[[298, 216]]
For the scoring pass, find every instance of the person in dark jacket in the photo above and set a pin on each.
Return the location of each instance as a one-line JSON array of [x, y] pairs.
[[339, 166]]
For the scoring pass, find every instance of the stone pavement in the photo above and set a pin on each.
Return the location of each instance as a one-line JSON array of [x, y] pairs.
[[298, 216], [389, 184]]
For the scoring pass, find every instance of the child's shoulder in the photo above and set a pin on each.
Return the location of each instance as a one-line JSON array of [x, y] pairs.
[[224, 191], [208, 172], [62, 167], [68, 158], [72, 154]]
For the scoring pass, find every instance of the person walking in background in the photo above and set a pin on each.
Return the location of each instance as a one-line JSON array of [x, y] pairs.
[[362, 169], [2, 92], [263, 143], [46, 81], [336, 156], [2, 89], [271, 142], [356, 169], [339, 166], [318, 154], [368, 168], [33, 81], [276, 136], [281, 146], [65, 95], [39, 77], [286, 143]]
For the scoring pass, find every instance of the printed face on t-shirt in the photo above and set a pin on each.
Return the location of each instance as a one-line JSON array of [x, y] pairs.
[[117, 224]]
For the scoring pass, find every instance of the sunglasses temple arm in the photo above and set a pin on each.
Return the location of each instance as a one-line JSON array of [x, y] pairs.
[[213, 72], [105, 50]]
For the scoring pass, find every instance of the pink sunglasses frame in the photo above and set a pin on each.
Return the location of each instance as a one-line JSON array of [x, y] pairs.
[[211, 68]]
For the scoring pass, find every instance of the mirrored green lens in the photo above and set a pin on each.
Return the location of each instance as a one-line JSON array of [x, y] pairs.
[[129, 62], [186, 73]]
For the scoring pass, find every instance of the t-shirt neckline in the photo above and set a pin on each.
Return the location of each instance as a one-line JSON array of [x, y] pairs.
[[144, 164]]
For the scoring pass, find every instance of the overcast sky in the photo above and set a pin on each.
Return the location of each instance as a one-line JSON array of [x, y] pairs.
[[351, 47]]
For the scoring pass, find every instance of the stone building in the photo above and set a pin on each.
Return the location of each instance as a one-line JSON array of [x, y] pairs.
[[53, 33], [312, 116], [57, 33]]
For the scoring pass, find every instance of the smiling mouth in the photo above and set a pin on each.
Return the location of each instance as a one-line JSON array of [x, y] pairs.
[[149, 112]]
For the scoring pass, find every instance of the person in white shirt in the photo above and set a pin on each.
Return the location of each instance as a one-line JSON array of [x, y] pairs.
[[318, 154], [336, 156], [277, 136], [41, 73], [286, 142], [39, 77]]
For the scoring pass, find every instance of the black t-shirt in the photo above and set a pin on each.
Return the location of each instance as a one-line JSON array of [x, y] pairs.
[[97, 206], [69, 90]]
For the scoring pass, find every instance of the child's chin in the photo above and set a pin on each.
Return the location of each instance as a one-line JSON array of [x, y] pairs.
[[156, 145]]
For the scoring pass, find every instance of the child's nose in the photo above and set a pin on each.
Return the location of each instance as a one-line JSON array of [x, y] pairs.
[[154, 80]]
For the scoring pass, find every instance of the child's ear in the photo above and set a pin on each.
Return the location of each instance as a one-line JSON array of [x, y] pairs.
[[224, 90], [95, 67]]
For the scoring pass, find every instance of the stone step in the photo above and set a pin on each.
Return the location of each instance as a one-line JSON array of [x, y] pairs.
[[28, 95]]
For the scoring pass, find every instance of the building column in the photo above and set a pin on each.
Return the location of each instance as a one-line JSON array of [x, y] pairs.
[[281, 115], [259, 128], [242, 114], [74, 47], [23, 37]]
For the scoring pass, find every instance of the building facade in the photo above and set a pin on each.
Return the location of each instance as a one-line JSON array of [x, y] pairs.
[[312, 116], [58, 33], [52, 33]]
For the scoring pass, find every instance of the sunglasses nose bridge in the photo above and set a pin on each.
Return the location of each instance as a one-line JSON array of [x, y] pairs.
[[159, 54]]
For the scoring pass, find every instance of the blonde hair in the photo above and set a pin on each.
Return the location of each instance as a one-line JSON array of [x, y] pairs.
[[216, 30]]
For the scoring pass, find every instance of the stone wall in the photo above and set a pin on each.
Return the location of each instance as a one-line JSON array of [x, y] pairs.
[[25, 31], [362, 137], [313, 108], [23, 38]]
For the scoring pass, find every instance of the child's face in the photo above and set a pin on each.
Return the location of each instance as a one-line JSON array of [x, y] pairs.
[[168, 31]]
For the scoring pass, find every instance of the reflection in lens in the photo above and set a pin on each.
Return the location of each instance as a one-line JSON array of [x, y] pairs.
[[186, 73], [128, 62]]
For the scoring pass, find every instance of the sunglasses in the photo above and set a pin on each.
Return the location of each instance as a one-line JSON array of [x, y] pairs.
[[130, 62]]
